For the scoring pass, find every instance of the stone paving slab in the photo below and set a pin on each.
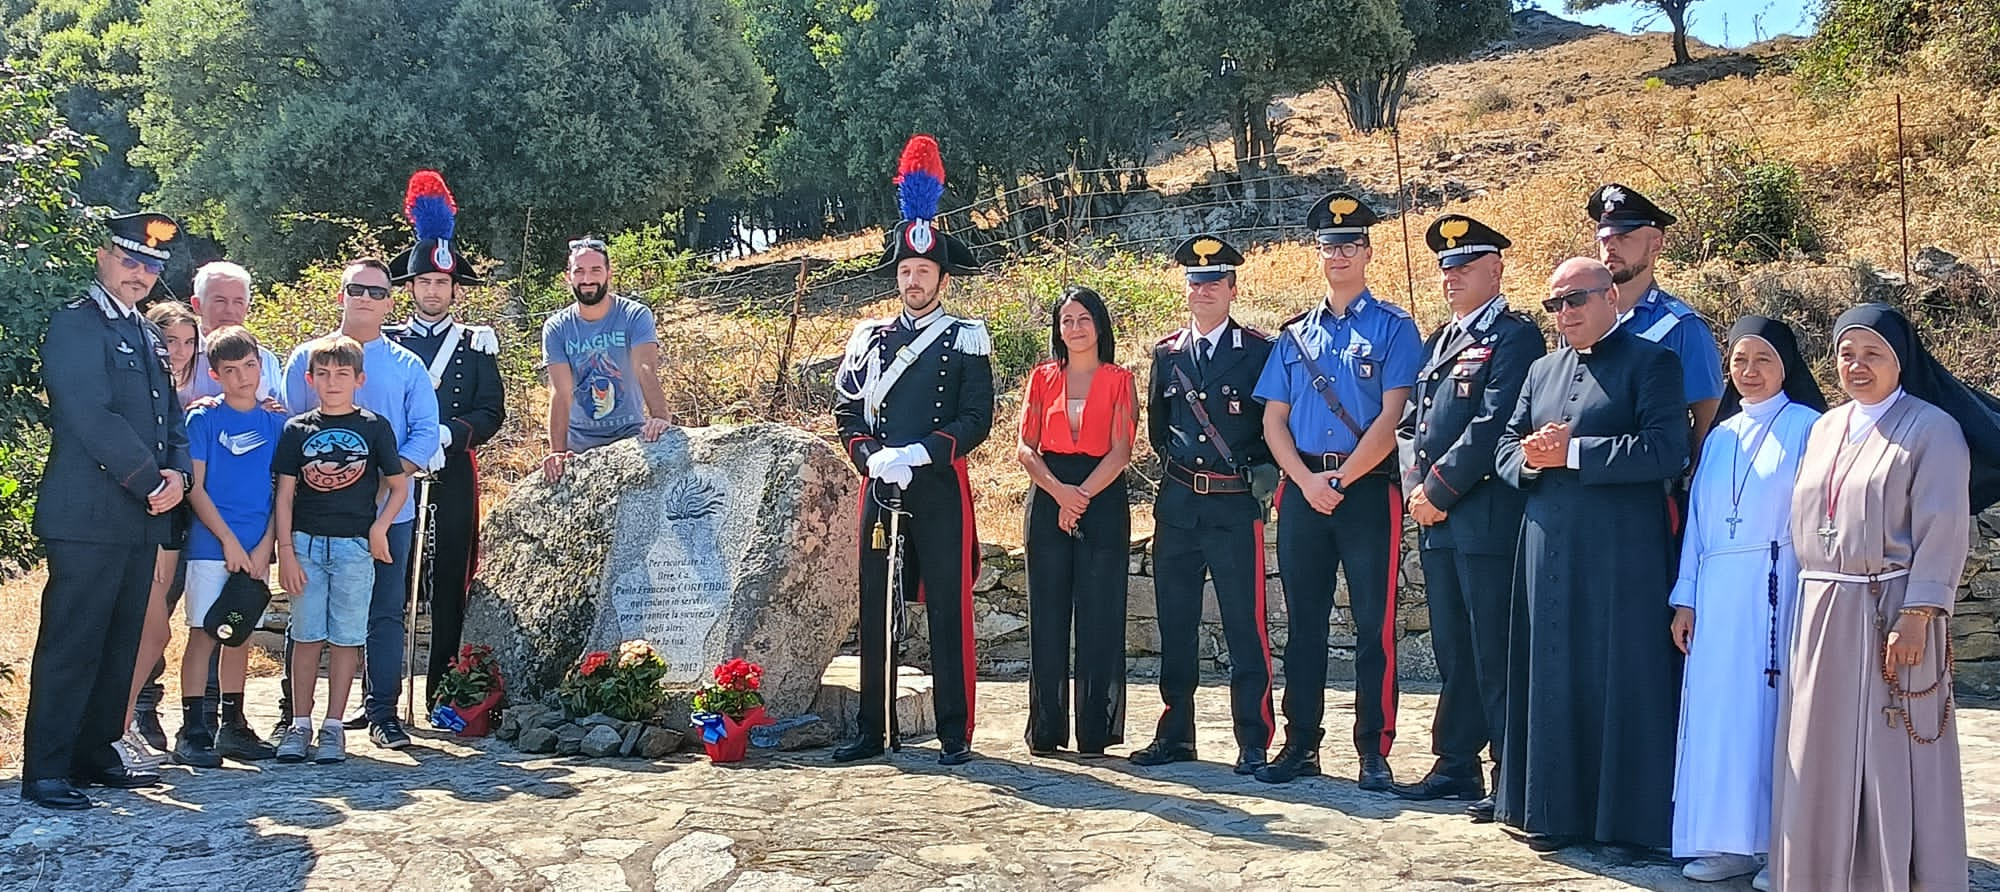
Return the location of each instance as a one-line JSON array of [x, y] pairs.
[[447, 816]]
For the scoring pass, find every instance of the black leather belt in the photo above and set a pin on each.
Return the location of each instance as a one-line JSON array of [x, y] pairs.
[[1321, 462], [1206, 483]]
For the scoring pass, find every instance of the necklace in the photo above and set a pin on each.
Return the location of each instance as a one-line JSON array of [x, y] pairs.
[[1736, 484], [1826, 530]]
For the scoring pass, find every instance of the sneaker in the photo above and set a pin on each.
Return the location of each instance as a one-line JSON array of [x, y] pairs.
[[135, 753], [389, 734], [330, 746], [1762, 881], [1716, 868], [240, 742], [195, 753], [281, 726], [147, 723], [356, 720], [292, 746]]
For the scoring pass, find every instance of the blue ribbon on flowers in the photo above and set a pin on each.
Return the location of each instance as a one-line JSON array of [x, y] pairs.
[[712, 728], [445, 718]]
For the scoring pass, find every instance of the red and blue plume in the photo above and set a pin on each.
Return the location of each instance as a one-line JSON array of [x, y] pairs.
[[920, 178], [429, 205]]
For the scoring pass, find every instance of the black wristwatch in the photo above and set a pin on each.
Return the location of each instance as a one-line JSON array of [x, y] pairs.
[[1334, 483]]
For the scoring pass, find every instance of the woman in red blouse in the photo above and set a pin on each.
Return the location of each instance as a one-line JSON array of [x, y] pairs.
[[1077, 425]]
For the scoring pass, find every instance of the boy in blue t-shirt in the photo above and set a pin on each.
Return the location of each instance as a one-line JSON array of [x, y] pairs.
[[331, 462], [231, 443]]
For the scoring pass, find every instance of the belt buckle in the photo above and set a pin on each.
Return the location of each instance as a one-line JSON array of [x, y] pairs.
[[1332, 460], [1201, 483]]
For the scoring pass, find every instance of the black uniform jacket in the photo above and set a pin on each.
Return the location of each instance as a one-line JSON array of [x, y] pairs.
[[114, 421], [1451, 426], [1223, 386], [471, 399], [944, 399]]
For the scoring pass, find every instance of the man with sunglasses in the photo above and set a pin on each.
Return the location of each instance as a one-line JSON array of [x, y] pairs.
[[397, 387], [1333, 392], [596, 351], [1631, 232], [1593, 686], [1468, 523], [118, 463]]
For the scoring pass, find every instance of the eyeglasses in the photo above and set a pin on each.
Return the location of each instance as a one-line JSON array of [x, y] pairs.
[[1576, 298], [586, 244], [1342, 249], [372, 292], [130, 260]]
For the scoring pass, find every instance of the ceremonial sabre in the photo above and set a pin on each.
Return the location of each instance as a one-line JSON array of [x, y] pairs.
[[420, 554], [892, 502]]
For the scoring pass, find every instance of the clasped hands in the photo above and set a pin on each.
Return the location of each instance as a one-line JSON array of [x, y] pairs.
[[895, 465], [1547, 447], [1421, 509]]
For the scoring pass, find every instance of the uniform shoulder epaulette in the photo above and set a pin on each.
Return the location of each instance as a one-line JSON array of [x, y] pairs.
[[1167, 343], [1675, 306], [77, 303], [1259, 333], [1518, 316], [972, 338], [483, 339], [864, 331], [1288, 323], [1394, 310]]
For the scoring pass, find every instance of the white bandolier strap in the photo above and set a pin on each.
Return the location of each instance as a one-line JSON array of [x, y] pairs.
[[875, 388], [445, 351], [1660, 328]]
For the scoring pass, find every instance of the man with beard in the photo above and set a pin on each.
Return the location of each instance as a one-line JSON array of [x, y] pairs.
[[1631, 231], [1593, 686], [118, 463], [596, 351], [1467, 522], [465, 373], [397, 388], [914, 398]]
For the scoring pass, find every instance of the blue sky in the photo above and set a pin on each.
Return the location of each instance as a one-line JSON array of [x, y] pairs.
[[1727, 23]]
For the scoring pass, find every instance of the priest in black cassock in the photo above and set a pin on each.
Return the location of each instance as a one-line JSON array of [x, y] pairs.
[[1593, 688]]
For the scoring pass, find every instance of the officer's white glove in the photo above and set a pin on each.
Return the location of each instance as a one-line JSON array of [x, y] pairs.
[[444, 436], [436, 462], [880, 461], [913, 455], [896, 474]]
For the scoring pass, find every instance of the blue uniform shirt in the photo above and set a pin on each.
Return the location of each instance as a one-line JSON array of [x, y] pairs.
[[1663, 319], [1372, 348], [397, 388]]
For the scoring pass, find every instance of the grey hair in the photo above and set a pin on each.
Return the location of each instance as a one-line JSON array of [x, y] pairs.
[[220, 270]]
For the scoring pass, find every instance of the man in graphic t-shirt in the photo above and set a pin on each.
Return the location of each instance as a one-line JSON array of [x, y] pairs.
[[603, 357]]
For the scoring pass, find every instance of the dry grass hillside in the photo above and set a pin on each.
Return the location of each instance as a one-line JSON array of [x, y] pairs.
[[1517, 137]]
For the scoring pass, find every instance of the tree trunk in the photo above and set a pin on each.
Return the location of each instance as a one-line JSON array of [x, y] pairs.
[[1375, 102], [1677, 16]]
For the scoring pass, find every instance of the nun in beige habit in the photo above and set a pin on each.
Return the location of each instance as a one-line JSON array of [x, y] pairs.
[[1866, 792]]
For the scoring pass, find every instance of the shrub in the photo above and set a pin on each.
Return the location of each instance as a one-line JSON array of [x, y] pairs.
[[1740, 205], [625, 686]]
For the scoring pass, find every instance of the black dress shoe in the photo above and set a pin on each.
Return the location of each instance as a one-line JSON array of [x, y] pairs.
[[1249, 759], [1375, 774], [1161, 752], [954, 753], [1294, 761], [55, 793], [148, 723], [117, 778], [1481, 811], [857, 749], [1548, 842], [1439, 786]]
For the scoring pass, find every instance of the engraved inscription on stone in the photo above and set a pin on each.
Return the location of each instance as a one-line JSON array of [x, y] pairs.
[[670, 580]]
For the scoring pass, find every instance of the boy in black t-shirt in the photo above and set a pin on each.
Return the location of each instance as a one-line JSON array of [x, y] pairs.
[[330, 464]]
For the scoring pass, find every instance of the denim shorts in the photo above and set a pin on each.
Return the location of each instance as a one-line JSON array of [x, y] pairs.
[[340, 578]]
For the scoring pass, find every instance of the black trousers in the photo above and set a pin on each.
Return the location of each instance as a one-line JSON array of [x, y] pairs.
[[1363, 537], [1076, 584], [940, 551], [93, 610], [1229, 547], [1468, 596], [455, 510]]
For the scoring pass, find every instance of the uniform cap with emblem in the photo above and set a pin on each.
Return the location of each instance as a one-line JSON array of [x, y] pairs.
[[1619, 210], [919, 186], [1457, 240], [1339, 218], [433, 215], [144, 236], [1207, 258]]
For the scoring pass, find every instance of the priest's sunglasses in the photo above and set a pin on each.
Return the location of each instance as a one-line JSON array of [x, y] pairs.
[[372, 292], [1575, 298]]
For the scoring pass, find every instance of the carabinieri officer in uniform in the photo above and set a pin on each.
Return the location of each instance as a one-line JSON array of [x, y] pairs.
[[1333, 392], [1468, 522], [118, 462], [463, 361], [914, 398], [1209, 433]]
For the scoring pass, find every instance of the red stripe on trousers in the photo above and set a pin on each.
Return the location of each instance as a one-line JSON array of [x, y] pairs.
[[969, 534], [1264, 636], [472, 566], [1389, 619]]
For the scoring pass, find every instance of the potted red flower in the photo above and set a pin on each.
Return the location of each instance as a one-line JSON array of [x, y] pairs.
[[726, 710], [469, 695]]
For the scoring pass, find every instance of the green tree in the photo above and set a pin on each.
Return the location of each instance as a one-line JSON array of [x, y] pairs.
[[1676, 12], [1440, 30], [49, 238], [275, 125], [1213, 60], [89, 52]]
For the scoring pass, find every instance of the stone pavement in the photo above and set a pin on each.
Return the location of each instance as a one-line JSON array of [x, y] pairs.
[[447, 816]]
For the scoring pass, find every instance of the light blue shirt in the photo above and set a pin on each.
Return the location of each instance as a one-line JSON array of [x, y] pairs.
[[397, 387], [1689, 337], [1372, 348]]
